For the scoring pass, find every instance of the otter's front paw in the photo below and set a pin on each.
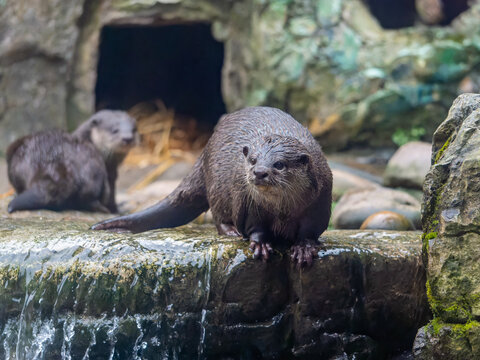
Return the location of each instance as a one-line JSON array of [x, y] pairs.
[[261, 248], [304, 252]]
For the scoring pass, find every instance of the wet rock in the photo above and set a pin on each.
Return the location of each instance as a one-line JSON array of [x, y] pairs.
[[408, 166], [188, 293], [451, 223], [344, 180], [37, 44], [387, 220], [357, 205]]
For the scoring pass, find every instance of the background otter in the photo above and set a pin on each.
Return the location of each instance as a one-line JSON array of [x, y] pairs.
[[56, 170], [113, 133], [264, 177]]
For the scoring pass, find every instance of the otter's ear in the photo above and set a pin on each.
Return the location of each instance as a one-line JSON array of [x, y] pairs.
[[304, 159], [245, 151], [95, 122]]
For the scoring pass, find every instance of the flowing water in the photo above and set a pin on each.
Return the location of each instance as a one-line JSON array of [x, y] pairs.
[[113, 298]]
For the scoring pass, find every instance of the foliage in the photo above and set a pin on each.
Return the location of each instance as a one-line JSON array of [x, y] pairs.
[[402, 136]]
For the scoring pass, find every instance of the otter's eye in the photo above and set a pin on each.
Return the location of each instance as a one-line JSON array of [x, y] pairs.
[[279, 165], [115, 131], [252, 161]]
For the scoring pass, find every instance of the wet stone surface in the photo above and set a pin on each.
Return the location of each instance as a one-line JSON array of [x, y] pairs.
[[188, 293], [451, 222]]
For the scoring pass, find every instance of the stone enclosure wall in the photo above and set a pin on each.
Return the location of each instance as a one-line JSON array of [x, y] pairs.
[[451, 221], [329, 63]]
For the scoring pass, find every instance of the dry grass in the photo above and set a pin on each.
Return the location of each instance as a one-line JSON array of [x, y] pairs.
[[166, 138]]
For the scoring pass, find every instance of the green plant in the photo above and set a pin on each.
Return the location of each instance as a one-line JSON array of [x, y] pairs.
[[402, 136]]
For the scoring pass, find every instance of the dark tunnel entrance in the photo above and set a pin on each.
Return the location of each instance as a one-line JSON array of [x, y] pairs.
[[396, 14], [179, 64]]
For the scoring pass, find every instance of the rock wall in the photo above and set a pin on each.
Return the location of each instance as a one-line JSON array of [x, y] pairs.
[[451, 239], [37, 44], [329, 63]]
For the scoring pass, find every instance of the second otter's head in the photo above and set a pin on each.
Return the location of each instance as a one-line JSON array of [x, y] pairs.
[[113, 133], [279, 167]]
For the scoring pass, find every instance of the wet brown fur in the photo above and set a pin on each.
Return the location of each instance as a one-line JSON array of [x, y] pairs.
[[56, 170]]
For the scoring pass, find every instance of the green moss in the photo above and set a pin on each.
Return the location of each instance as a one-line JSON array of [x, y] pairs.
[[457, 330], [434, 305], [442, 150], [8, 274], [435, 326], [426, 237], [458, 309], [430, 221]]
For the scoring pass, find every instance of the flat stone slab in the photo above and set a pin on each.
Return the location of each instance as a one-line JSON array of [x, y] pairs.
[[189, 293]]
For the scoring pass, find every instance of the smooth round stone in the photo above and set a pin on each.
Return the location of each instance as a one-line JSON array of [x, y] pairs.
[[387, 220], [356, 205], [409, 165]]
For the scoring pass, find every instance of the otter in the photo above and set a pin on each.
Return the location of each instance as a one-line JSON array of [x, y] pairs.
[[56, 170], [264, 177]]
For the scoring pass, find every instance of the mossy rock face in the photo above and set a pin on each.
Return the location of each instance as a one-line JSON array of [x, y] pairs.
[[329, 63], [451, 222], [188, 293]]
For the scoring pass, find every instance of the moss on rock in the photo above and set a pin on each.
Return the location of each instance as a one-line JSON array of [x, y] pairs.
[[451, 223]]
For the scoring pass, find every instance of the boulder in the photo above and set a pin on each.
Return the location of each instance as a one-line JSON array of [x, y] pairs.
[[67, 292], [387, 220], [357, 205], [451, 240], [408, 166], [344, 180]]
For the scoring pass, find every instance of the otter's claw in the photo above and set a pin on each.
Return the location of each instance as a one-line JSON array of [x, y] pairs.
[[117, 226], [228, 230], [304, 253], [261, 250]]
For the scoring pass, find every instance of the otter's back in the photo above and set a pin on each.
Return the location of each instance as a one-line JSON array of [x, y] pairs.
[[62, 167]]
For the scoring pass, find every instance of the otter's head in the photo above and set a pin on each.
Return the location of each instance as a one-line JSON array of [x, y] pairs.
[[112, 132], [279, 167]]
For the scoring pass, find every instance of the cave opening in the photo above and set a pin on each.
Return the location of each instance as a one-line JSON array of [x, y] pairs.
[[180, 65], [394, 14], [397, 14]]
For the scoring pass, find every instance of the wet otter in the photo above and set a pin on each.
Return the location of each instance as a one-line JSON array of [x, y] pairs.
[[56, 170], [264, 177]]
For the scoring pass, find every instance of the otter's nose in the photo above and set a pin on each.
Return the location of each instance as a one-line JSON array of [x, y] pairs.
[[260, 173], [127, 140]]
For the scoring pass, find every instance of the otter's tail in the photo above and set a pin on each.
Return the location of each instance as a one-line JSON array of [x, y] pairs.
[[183, 205], [28, 200]]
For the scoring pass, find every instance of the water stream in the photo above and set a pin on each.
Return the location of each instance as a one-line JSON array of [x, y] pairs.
[[81, 298]]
